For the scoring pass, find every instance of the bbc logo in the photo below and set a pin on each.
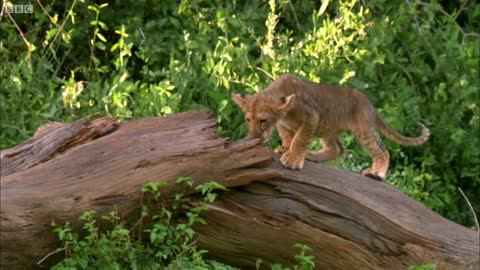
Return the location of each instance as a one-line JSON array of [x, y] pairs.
[[11, 8]]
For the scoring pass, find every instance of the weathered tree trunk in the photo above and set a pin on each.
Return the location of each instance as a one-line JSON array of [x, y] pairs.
[[350, 221]]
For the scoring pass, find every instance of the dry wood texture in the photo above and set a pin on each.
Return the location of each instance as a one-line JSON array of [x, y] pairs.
[[350, 221]]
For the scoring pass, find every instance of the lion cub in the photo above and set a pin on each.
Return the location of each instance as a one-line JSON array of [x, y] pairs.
[[302, 110]]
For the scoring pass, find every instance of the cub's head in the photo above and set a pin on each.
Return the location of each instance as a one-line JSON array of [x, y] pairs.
[[263, 112]]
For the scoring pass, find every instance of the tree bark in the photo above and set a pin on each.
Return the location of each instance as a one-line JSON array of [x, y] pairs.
[[350, 221]]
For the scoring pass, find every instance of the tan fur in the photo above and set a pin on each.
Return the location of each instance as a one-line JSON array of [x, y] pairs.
[[302, 110]]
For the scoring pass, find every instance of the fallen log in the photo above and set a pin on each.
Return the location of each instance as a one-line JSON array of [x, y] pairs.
[[350, 221]]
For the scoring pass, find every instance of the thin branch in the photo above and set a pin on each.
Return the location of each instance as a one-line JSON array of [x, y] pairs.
[[139, 221], [143, 37], [264, 71], [407, 74], [21, 34], [294, 15], [462, 8], [61, 28], [441, 10], [50, 17], [50, 254], [414, 17], [2, 10], [465, 34], [471, 209]]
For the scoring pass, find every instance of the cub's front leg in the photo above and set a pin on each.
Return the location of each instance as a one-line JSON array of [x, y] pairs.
[[294, 158], [287, 136]]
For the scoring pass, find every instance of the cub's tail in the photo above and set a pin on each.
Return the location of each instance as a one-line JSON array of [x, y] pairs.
[[390, 133]]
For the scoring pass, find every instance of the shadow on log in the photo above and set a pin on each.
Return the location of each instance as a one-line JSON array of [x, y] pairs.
[[350, 221]]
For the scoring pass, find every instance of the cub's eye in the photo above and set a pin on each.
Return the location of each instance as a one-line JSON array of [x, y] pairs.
[[248, 119], [262, 121]]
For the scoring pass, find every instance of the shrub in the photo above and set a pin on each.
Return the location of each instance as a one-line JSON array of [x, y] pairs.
[[156, 240], [161, 237]]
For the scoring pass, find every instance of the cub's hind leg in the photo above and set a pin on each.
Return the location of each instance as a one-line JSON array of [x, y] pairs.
[[370, 140], [287, 136], [331, 150]]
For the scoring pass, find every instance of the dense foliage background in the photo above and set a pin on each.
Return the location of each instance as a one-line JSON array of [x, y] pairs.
[[417, 61]]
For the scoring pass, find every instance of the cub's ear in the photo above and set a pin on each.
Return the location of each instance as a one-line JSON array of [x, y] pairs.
[[240, 100], [287, 103]]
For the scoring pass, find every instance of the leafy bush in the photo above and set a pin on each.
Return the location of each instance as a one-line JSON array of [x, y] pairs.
[[417, 61], [162, 236], [156, 240]]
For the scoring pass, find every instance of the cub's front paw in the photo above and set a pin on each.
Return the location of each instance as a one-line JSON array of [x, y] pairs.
[[374, 175], [281, 149], [292, 161]]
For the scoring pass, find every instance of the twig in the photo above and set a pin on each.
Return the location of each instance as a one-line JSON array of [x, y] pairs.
[[415, 17], [20, 32], [264, 71], [453, 18], [471, 209], [2, 10], [406, 73], [429, 4], [50, 254], [50, 17], [462, 7], [61, 29], [139, 221], [294, 14], [143, 37]]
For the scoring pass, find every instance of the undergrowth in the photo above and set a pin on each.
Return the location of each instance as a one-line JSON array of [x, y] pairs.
[[161, 237]]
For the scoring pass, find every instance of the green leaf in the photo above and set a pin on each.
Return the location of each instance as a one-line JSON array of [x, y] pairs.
[[323, 7], [192, 44], [211, 197], [100, 45], [102, 25], [101, 37], [51, 33], [90, 7], [83, 263], [115, 47]]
